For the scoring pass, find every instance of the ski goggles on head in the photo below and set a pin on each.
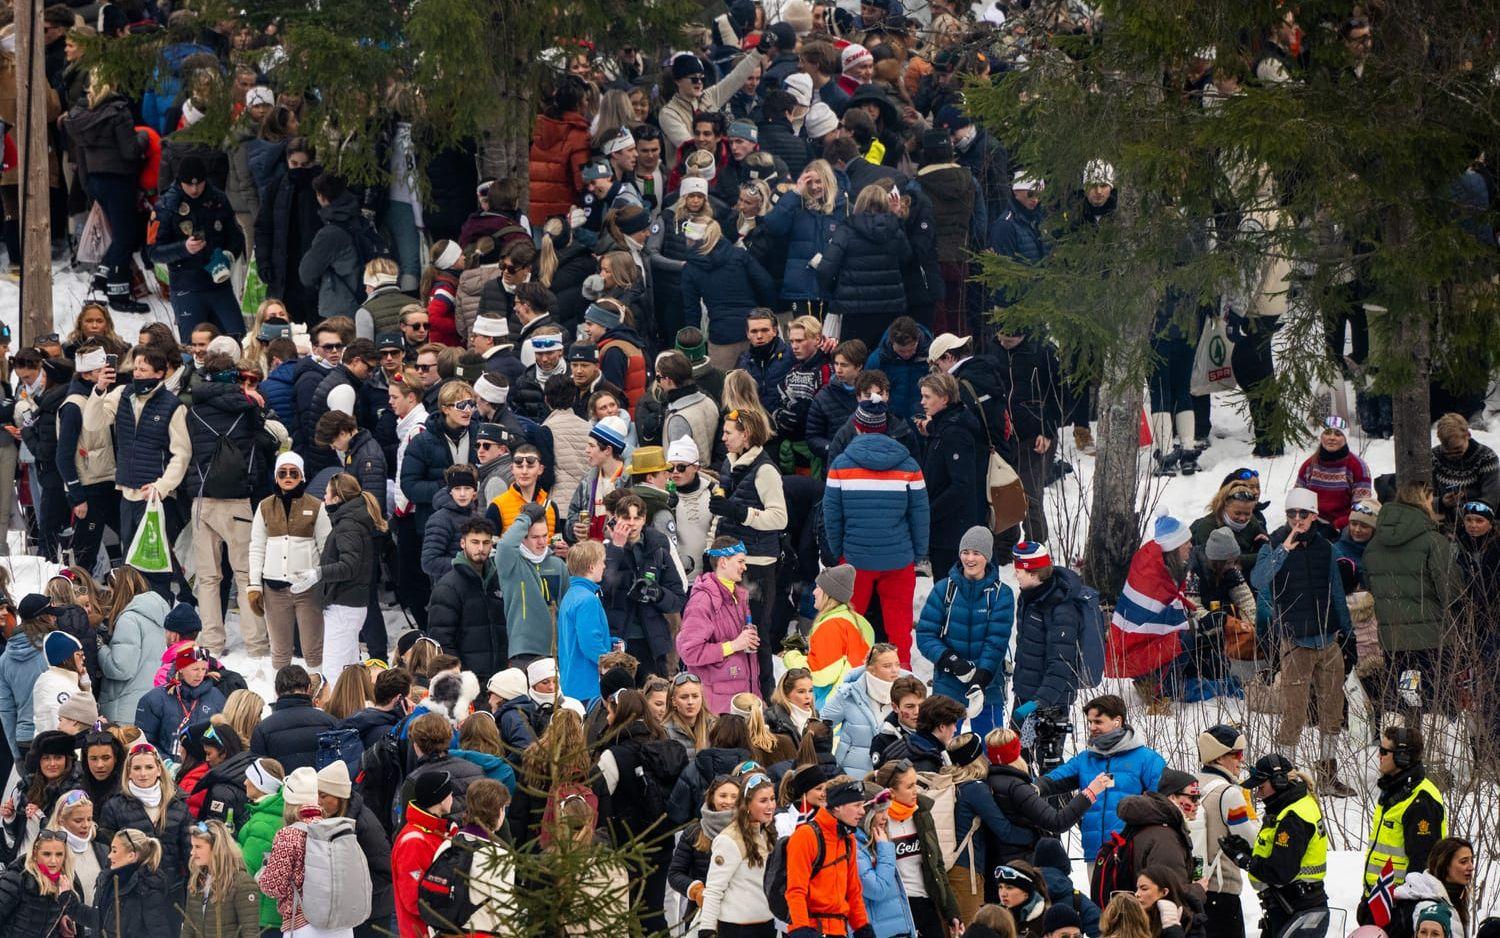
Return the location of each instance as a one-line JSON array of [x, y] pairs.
[[1242, 496], [1245, 475], [74, 798], [753, 780], [879, 800], [139, 748], [685, 677], [1014, 877], [1479, 508]]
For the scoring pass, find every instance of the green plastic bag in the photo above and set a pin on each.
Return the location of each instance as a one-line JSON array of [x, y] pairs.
[[255, 291], [149, 549]]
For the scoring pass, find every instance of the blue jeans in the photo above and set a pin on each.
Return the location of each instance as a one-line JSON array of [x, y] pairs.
[[116, 194], [405, 237]]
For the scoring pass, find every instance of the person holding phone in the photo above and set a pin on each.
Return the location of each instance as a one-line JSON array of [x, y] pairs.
[[86, 452], [1296, 579], [193, 233]]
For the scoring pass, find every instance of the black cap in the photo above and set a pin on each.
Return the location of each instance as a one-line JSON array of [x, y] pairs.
[[431, 788], [492, 433], [461, 475], [583, 352], [35, 604], [937, 146], [786, 35], [613, 681], [1174, 781], [1267, 768], [806, 779], [192, 169], [846, 793], [390, 340]]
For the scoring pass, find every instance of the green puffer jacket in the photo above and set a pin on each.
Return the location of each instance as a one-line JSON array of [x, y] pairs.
[[1409, 566], [255, 836], [224, 913]]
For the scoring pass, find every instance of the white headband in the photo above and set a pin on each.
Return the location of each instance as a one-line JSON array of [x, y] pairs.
[[492, 326], [90, 361], [262, 780], [621, 141], [491, 392], [449, 257]]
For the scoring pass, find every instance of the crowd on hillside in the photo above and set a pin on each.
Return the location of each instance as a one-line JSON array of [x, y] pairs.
[[651, 449]]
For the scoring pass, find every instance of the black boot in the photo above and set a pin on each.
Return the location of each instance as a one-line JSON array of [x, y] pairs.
[[1188, 464], [1166, 464], [1329, 782], [120, 299], [100, 281]]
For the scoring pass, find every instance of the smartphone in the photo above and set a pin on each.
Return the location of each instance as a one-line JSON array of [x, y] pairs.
[[112, 361]]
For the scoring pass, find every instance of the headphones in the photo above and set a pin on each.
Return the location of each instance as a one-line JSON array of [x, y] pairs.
[[1401, 742]]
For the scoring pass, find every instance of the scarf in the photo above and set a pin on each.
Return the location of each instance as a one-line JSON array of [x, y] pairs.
[[900, 812], [1104, 742], [1235, 526], [534, 558], [1338, 455], [879, 691], [77, 844], [713, 823], [150, 797], [51, 876], [800, 716]]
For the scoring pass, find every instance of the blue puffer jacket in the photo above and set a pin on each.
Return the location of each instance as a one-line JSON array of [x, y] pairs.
[[973, 632], [875, 505], [277, 390], [1047, 622], [1136, 768], [730, 283], [171, 708], [20, 665], [862, 267], [806, 236], [854, 715], [906, 397], [885, 897]]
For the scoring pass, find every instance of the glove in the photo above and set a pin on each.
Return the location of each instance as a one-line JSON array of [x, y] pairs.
[[577, 217], [1170, 913], [302, 582], [810, 932], [956, 666], [535, 512], [975, 697], [1023, 711], [257, 606], [695, 893], [982, 678], [923, 567], [1237, 849], [724, 508], [865, 931]]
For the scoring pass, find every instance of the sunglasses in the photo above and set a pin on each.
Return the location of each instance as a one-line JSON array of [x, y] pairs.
[[526, 461], [512, 268], [74, 797], [288, 474], [139, 748], [1295, 513], [1387, 752], [51, 835], [332, 346], [465, 405], [681, 466], [1242, 497], [416, 326], [685, 677], [424, 368], [391, 353]]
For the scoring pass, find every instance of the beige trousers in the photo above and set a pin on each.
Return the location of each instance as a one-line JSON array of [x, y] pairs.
[[224, 522], [284, 610]]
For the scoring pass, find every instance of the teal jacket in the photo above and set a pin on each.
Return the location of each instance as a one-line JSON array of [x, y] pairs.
[[582, 636], [530, 591]]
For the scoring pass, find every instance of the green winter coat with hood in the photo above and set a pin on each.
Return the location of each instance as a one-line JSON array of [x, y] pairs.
[[255, 836], [1409, 566]]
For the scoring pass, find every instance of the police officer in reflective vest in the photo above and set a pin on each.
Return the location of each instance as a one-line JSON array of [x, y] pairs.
[[1410, 816], [1289, 861]]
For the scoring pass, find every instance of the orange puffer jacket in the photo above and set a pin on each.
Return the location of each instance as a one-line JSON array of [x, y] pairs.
[[559, 148]]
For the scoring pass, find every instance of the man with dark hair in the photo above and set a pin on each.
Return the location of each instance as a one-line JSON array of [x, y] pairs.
[[650, 177], [497, 297], [767, 358], [224, 424], [194, 233], [329, 338], [151, 436], [820, 60], [845, 153], [1115, 748], [691, 342], [690, 412], [533, 306], [833, 405], [872, 390], [546, 346], [466, 613], [290, 733], [641, 586], [778, 137], [341, 388], [1410, 814], [389, 709], [332, 265], [938, 718], [287, 222]]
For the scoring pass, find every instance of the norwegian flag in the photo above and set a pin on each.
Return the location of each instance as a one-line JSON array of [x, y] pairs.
[[1381, 900]]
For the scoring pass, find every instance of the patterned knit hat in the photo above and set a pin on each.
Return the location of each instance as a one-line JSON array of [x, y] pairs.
[[870, 416], [1170, 533], [1031, 555]]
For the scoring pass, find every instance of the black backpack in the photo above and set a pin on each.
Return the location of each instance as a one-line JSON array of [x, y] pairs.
[[657, 768], [381, 771], [444, 899], [774, 883], [1114, 866], [368, 245], [224, 475]]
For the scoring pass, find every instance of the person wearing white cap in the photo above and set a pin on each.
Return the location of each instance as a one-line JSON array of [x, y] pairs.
[[286, 538], [89, 477], [1297, 575], [693, 495], [1337, 476], [492, 349]]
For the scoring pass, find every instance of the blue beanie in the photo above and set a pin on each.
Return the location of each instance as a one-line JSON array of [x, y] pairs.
[[183, 619], [1170, 533], [59, 647]]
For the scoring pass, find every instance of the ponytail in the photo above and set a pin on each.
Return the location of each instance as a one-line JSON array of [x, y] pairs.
[[147, 849], [346, 487]]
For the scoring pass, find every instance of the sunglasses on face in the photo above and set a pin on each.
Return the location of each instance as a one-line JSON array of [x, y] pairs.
[[681, 466], [288, 474], [424, 368], [1299, 513], [416, 326], [527, 461], [391, 353], [332, 346], [511, 268], [464, 406], [485, 446]]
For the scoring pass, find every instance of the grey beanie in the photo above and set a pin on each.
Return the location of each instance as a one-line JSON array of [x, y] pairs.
[[838, 582], [980, 540], [1221, 545]]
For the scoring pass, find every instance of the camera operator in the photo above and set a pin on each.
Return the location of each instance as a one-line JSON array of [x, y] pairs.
[[641, 586]]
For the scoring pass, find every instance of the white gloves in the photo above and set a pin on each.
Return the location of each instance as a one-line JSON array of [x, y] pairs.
[[1170, 913], [302, 582], [975, 697], [576, 217]]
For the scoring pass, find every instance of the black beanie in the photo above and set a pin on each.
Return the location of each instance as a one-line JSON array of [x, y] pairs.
[[192, 169], [615, 680]]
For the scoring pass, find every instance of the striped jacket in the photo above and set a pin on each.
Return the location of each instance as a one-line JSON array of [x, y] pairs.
[[875, 505]]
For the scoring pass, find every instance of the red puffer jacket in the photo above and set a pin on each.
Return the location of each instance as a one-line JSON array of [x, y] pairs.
[[559, 148]]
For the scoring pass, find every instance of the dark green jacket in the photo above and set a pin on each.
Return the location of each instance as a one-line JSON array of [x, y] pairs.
[[1249, 538], [224, 913], [1409, 566]]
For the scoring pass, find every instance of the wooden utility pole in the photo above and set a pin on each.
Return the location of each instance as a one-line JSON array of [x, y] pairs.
[[31, 140]]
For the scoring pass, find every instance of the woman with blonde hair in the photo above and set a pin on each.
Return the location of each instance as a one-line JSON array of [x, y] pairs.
[[222, 898], [1013, 788], [135, 638], [95, 325], [1123, 917], [727, 282], [862, 271], [43, 894], [353, 690], [741, 394], [615, 112], [149, 802], [74, 817], [688, 720], [840, 638], [384, 299], [560, 756], [274, 312], [977, 821], [752, 481], [1234, 506], [690, 858], [793, 705], [135, 896], [242, 712], [992, 921], [766, 746], [345, 569], [806, 218]]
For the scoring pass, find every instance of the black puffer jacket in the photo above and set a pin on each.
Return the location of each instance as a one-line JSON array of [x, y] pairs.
[[371, 723], [134, 901], [348, 555], [778, 138], [224, 796], [126, 811], [222, 412], [1048, 618], [861, 270], [104, 137], [29, 914], [290, 733], [954, 469], [467, 617], [284, 230], [1017, 798], [692, 784], [377, 850]]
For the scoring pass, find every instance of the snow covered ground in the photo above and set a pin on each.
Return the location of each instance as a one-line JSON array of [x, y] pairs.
[[1185, 497]]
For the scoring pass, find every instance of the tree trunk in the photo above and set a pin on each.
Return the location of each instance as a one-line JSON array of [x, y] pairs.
[[1114, 523], [505, 140], [1411, 418], [36, 219]]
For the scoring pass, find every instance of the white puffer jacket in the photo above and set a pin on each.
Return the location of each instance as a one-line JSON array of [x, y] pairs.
[[277, 558]]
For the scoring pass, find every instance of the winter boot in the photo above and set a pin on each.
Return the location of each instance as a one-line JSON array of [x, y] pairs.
[[1166, 463], [99, 283], [120, 299], [1329, 782], [1083, 441], [1187, 464]]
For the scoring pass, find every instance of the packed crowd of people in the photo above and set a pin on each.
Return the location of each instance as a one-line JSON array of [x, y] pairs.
[[649, 451]]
